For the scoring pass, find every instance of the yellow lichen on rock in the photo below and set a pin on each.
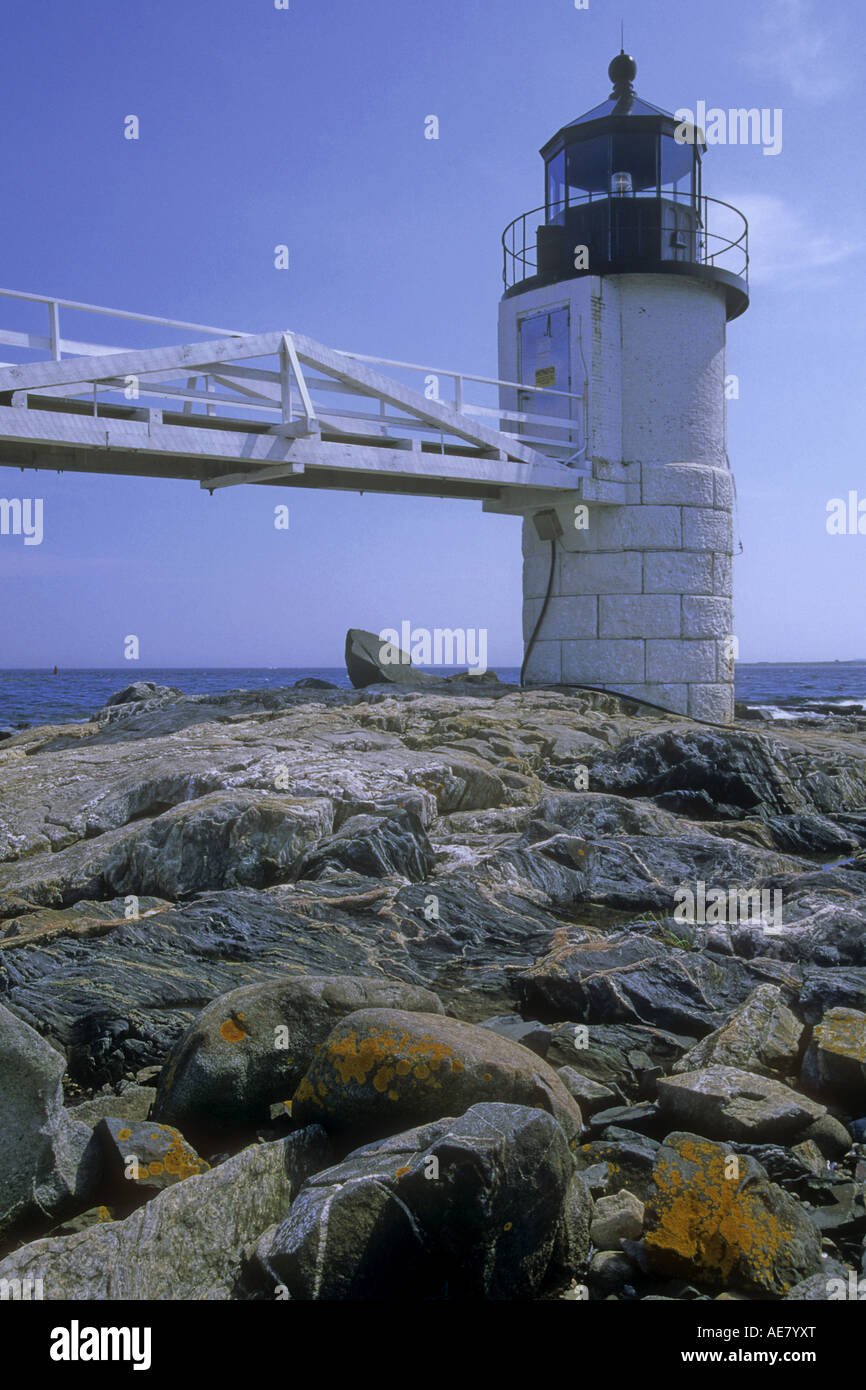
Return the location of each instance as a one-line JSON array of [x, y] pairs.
[[711, 1222]]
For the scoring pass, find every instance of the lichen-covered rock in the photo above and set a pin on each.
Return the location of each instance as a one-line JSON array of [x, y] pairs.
[[250, 1048], [47, 1162], [461, 1209], [188, 1242], [721, 1222], [761, 1036], [834, 1067], [142, 1157], [726, 1103], [381, 1069]]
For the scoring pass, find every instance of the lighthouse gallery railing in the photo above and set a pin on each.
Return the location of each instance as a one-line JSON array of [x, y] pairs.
[[722, 250]]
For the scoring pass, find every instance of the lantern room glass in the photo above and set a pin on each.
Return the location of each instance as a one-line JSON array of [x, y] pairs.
[[658, 167]]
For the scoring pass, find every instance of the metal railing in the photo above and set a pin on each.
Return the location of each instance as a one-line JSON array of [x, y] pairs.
[[711, 247], [222, 394]]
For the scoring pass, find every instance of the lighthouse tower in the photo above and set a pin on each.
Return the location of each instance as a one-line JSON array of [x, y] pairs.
[[617, 295]]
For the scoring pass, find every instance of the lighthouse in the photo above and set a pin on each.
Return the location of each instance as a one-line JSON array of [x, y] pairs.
[[612, 329]]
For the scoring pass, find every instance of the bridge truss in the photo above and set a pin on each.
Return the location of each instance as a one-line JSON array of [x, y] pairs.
[[273, 408]]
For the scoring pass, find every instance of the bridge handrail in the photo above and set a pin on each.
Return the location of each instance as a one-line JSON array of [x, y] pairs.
[[56, 346]]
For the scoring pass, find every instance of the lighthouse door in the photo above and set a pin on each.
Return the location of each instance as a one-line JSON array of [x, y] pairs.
[[545, 368]]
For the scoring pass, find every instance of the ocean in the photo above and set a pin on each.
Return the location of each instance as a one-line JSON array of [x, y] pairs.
[[31, 697]]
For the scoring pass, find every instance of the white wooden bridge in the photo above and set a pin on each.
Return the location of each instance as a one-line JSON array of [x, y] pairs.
[[273, 408]]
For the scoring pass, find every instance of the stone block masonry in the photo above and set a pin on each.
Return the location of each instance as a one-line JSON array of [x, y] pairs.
[[641, 599]]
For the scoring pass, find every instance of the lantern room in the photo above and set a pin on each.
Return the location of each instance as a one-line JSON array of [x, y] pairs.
[[623, 193]]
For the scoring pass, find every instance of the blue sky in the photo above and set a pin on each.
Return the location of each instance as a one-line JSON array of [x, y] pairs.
[[306, 127]]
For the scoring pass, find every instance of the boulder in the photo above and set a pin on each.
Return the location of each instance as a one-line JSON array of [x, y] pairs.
[[719, 1226], [643, 1118], [140, 1158], [725, 1103], [590, 1096], [834, 1067], [250, 1048], [48, 1164], [370, 661], [822, 926], [465, 1208], [761, 1036], [823, 990], [381, 1069], [616, 1218], [188, 1243], [829, 1135], [573, 1240], [610, 1270]]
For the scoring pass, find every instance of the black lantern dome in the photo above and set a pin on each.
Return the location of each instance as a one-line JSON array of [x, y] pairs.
[[624, 181]]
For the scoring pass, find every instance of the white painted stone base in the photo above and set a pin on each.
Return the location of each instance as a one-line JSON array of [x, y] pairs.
[[641, 599]]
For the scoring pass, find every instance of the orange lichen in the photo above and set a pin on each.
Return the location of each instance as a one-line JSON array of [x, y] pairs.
[[233, 1030], [708, 1224], [355, 1059], [843, 1034], [124, 1134]]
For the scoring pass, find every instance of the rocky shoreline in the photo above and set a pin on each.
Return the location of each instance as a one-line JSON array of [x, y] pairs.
[[332, 995]]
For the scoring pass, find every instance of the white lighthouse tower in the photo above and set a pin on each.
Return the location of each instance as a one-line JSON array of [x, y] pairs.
[[617, 294]]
